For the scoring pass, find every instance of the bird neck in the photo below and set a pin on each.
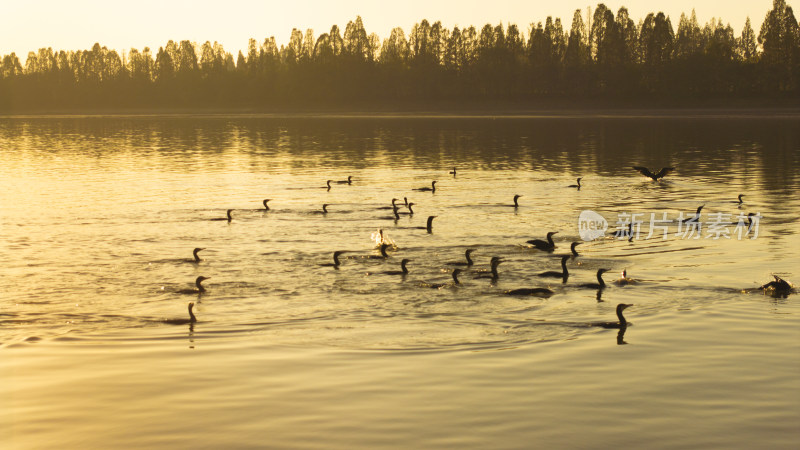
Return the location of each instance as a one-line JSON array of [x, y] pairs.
[[192, 318], [600, 279], [622, 321]]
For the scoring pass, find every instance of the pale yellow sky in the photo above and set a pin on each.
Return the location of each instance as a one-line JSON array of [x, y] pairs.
[[78, 24]]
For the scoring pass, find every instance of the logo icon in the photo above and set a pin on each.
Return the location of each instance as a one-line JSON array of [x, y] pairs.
[[591, 225]]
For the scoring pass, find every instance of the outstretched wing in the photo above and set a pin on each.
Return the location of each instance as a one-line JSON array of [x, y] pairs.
[[664, 172], [645, 171]]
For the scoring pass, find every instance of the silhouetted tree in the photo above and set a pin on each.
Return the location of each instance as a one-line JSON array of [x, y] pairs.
[[603, 57]]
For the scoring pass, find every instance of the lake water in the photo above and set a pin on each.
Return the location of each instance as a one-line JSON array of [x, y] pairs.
[[99, 216]]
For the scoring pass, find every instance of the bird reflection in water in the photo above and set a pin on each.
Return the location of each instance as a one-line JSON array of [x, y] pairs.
[[621, 336]]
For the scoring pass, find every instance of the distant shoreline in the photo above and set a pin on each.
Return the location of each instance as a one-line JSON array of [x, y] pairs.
[[730, 112]]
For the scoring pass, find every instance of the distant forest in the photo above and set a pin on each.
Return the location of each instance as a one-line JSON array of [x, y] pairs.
[[603, 58]]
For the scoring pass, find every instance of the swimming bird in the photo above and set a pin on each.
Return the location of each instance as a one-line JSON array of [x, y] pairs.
[[622, 322], [548, 245], [564, 274], [336, 262], [394, 200], [469, 262], [696, 217], [493, 263], [395, 215], [383, 254], [537, 292], [740, 201], [191, 319], [403, 271], [778, 287], [200, 289], [600, 283], [431, 189], [328, 184], [229, 218], [410, 211], [429, 226], [576, 185], [624, 280], [453, 172], [349, 180], [324, 208], [454, 283], [661, 173], [196, 256], [516, 203], [626, 233], [266, 200], [573, 250]]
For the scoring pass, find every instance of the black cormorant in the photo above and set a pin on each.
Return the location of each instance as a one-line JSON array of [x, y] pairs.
[[349, 180], [191, 319], [493, 263], [266, 200], [740, 200], [655, 176], [537, 292], [564, 274], [394, 200], [336, 263], [573, 250], [548, 245], [197, 282], [778, 287], [600, 283], [229, 218], [696, 217], [468, 263], [429, 226], [403, 271], [622, 322], [196, 256], [516, 201], [454, 283], [383, 254], [410, 211], [431, 189]]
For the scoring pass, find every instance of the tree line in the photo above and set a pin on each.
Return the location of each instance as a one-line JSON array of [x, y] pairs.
[[602, 57]]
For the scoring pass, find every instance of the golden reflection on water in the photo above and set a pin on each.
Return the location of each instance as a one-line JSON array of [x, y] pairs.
[[99, 217]]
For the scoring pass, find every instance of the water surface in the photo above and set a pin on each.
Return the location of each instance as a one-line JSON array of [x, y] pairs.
[[98, 217]]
